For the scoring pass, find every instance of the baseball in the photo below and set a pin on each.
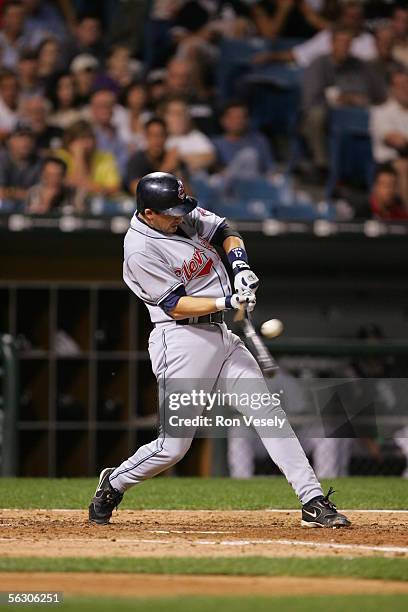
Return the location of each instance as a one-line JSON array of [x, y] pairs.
[[272, 328]]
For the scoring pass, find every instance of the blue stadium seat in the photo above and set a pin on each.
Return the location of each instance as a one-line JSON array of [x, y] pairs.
[[296, 212], [258, 188], [243, 210], [206, 194], [350, 154]]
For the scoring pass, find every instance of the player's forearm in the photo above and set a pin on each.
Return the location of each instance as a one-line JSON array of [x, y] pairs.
[[188, 306], [232, 242], [244, 278]]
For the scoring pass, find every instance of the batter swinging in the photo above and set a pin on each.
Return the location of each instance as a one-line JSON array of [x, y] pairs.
[[171, 264]]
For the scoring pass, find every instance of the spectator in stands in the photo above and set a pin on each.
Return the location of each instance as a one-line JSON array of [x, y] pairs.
[[155, 157], [35, 111], [385, 202], [382, 67], [49, 60], [19, 164], [9, 98], [351, 18], [51, 194], [289, 19], [120, 67], [13, 36], [88, 168], [179, 78], [336, 79], [239, 150], [107, 137], [389, 130], [63, 96], [156, 82], [131, 123], [87, 39], [399, 25], [195, 32], [183, 80], [158, 43], [43, 16], [28, 74], [84, 68], [194, 148]]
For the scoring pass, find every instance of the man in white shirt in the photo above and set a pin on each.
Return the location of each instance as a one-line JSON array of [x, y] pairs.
[[194, 148], [351, 18], [389, 130], [9, 97]]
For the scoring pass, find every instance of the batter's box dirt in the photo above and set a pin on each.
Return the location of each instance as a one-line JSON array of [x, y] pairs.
[[134, 533]]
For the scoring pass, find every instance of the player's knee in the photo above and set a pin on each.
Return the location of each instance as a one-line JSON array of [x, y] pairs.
[[176, 451]]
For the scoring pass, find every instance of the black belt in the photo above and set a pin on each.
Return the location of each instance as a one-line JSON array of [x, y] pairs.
[[216, 317]]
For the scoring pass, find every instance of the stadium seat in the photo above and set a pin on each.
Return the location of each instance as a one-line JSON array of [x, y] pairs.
[[206, 193], [350, 152], [243, 210], [296, 212]]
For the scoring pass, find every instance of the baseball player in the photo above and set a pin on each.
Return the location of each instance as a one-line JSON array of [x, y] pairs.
[[172, 265]]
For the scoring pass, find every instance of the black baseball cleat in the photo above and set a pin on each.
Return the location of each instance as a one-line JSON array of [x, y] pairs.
[[321, 512], [105, 500]]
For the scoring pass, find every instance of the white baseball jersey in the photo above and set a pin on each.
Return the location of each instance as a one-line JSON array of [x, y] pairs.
[[156, 264]]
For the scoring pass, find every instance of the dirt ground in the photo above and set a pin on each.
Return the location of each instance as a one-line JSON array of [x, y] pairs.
[[204, 533], [150, 585], [160, 533]]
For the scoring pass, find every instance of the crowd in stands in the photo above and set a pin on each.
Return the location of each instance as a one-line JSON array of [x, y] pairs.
[[95, 94]]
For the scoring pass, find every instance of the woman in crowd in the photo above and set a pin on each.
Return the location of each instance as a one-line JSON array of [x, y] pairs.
[[49, 59], [89, 169], [131, 122], [63, 96]]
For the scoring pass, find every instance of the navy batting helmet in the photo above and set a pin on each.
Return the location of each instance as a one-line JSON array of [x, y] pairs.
[[164, 193]]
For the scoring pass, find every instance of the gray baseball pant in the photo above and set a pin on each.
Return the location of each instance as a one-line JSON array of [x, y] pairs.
[[211, 352]]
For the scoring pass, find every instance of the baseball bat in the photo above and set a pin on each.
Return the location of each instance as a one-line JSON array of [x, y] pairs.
[[257, 347]]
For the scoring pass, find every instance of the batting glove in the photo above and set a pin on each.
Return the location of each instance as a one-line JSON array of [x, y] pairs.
[[246, 299], [244, 280]]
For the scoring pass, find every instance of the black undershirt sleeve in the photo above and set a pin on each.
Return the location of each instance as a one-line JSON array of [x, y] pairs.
[[223, 232]]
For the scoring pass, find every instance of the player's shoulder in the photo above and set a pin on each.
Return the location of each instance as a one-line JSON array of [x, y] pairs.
[[138, 244], [199, 213]]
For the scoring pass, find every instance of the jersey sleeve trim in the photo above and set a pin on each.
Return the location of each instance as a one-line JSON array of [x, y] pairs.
[[168, 291], [214, 229]]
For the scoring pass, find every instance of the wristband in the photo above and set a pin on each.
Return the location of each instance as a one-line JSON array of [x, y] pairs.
[[223, 303], [238, 259]]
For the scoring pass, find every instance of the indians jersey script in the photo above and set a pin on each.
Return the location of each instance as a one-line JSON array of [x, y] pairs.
[[156, 264]]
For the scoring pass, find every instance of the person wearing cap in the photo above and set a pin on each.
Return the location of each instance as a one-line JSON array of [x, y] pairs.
[[84, 68], [19, 164]]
